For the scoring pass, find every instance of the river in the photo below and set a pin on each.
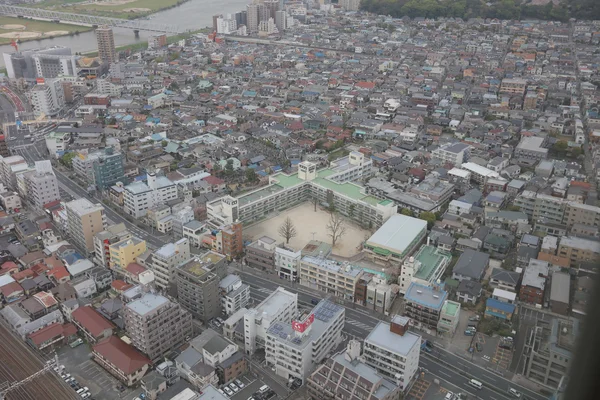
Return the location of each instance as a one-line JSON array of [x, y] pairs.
[[193, 15]]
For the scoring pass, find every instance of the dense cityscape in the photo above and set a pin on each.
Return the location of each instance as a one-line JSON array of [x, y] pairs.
[[301, 201]]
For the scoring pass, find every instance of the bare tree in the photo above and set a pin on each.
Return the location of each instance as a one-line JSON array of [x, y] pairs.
[[335, 228], [287, 230]]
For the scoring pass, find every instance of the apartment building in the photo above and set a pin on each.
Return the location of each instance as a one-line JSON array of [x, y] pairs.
[[513, 86], [549, 350], [329, 276], [106, 45], [234, 294], [9, 167], [84, 221], [103, 240], [424, 305], [581, 214], [346, 375], [42, 185], [449, 317], [287, 262], [47, 98], [531, 147], [198, 289], [137, 199], [121, 360], [393, 351], [102, 168], [279, 306], [579, 250], [534, 280], [229, 241], [399, 237], [125, 252], [261, 253], [156, 325], [453, 153], [166, 259], [479, 174], [57, 143], [425, 268], [331, 186], [294, 349]]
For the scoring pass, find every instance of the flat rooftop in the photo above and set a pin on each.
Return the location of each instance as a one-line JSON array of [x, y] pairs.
[[425, 296], [397, 233], [147, 303], [430, 258], [270, 306], [381, 336], [332, 265], [83, 206], [450, 308]]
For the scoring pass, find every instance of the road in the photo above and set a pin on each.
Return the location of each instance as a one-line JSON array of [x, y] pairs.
[[359, 323], [36, 151]]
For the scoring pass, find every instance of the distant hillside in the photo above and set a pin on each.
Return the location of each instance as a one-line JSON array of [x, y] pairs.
[[502, 9]]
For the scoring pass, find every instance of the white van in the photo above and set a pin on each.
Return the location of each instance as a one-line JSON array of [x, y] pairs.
[[476, 384], [263, 389]]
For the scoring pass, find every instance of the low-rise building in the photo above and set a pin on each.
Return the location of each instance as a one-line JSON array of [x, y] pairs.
[[287, 262], [121, 360], [424, 305], [534, 282], [425, 267], [261, 253], [399, 236], [579, 250], [235, 294], [449, 318], [471, 265], [329, 276], [93, 325]]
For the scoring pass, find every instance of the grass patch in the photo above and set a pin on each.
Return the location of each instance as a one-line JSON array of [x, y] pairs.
[[38, 26], [119, 9]]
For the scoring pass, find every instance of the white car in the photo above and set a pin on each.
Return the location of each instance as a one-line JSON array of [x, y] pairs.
[[239, 383], [514, 393], [228, 391], [234, 388]]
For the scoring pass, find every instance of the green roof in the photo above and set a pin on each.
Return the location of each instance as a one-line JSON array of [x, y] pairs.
[[385, 202], [430, 258], [324, 173], [287, 181], [450, 308], [381, 252]]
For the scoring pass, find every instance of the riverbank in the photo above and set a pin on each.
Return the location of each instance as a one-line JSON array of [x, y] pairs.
[[126, 9], [23, 29]]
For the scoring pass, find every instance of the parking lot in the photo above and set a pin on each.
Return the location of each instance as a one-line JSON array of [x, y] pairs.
[[427, 388], [101, 384]]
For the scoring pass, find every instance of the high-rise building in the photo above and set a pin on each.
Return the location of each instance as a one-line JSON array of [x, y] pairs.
[[9, 167], [84, 220], [252, 18], [350, 5], [3, 147], [229, 241], [42, 185], [40, 63], [393, 351], [47, 98], [198, 289], [106, 44], [108, 169], [281, 20], [156, 325], [166, 259]]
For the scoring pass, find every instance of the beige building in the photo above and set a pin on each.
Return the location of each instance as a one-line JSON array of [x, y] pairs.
[[513, 86], [581, 214], [125, 252], [329, 276], [106, 44], [579, 250], [84, 220], [166, 259]]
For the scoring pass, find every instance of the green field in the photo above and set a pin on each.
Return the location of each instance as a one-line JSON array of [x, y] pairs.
[[129, 9], [41, 27]]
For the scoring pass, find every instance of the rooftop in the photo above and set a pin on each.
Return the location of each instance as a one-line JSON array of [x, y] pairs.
[[332, 265], [450, 308], [431, 258], [277, 300], [147, 303], [397, 233], [83, 206], [381, 336], [425, 296]]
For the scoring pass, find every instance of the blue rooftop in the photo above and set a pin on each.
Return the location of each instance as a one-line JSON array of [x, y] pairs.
[[426, 296], [500, 305]]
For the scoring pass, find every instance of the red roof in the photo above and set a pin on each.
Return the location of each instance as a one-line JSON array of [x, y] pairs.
[[365, 85], [8, 266], [134, 269], [46, 299], [58, 273], [120, 285], [53, 262], [22, 275], [10, 289], [213, 180], [121, 355], [52, 331], [91, 320]]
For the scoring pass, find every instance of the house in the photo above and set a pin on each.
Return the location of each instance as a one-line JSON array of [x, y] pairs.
[[468, 291], [52, 336], [121, 360], [499, 310], [93, 325], [503, 279], [471, 265]]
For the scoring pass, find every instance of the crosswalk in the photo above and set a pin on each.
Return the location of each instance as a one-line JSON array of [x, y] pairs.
[[358, 324]]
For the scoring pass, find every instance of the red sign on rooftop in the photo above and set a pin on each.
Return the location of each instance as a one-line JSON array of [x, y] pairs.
[[301, 326]]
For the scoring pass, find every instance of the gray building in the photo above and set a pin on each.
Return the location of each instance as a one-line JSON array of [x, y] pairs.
[[198, 289], [156, 325], [560, 291], [471, 265], [531, 147], [261, 253], [42, 185]]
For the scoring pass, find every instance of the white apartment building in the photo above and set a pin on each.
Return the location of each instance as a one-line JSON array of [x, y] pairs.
[[235, 294], [166, 259], [425, 267], [47, 98], [329, 276], [9, 168], [139, 197], [226, 25], [280, 306], [57, 143], [295, 349], [393, 350], [453, 153], [53, 65], [42, 185], [287, 262]]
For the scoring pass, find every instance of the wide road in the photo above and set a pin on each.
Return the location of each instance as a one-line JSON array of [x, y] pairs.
[[359, 323], [35, 152]]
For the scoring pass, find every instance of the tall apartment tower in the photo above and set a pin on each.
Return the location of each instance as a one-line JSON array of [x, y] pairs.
[[42, 185], [106, 44], [252, 17], [156, 325], [84, 220], [198, 289]]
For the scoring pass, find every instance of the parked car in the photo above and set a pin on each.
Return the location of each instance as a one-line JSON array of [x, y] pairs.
[[239, 383], [474, 318], [76, 343], [233, 387], [228, 391]]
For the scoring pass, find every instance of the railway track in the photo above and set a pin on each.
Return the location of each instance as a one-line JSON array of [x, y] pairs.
[[17, 362]]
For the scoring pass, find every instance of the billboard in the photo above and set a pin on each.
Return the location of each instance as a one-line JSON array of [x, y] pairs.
[[301, 326]]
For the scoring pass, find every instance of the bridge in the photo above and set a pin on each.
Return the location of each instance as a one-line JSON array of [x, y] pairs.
[[90, 20]]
